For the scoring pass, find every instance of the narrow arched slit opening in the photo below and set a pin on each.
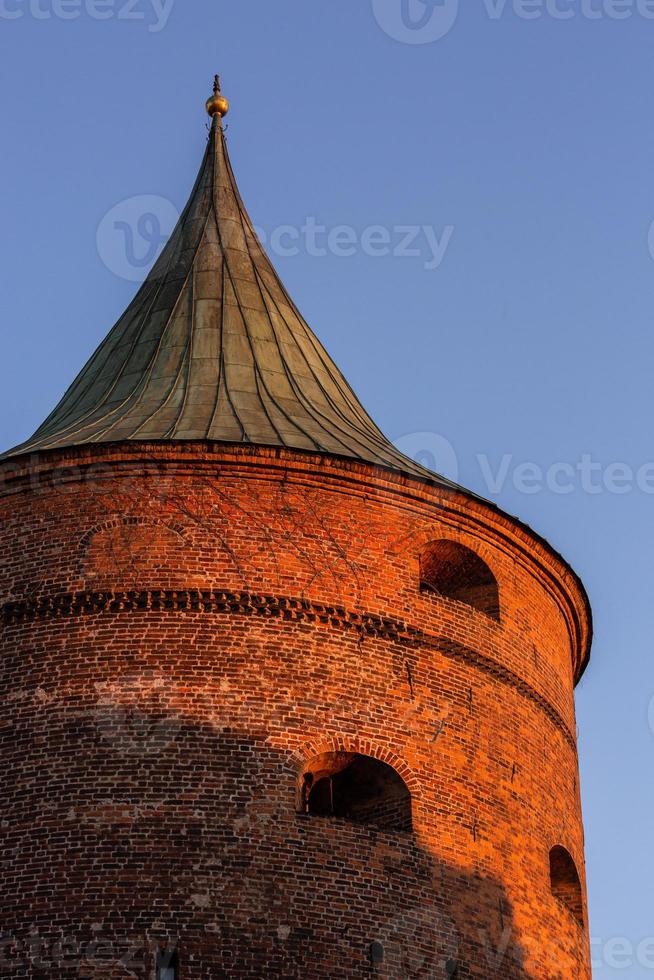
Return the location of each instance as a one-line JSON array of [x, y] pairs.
[[451, 570], [357, 788], [565, 882]]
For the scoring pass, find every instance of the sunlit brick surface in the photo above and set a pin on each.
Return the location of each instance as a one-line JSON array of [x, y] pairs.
[[183, 629]]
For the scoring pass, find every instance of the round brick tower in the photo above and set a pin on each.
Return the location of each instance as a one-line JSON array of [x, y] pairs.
[[277, 701]]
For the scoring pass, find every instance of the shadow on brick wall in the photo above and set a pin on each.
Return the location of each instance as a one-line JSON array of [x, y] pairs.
[[142, 828]]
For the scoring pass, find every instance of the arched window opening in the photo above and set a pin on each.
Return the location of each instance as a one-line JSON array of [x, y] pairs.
[[565, 882], [451, 570], [358, 788]]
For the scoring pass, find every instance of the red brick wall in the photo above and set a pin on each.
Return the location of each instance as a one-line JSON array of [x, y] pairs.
[[183, 628]]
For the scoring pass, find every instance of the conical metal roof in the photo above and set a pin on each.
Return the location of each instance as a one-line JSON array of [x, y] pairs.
[[213, 348]]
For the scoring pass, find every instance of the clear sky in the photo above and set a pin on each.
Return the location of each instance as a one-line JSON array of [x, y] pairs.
[[515, 142]]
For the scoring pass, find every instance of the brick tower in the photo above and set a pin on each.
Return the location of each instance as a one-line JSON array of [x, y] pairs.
[[278, 702]]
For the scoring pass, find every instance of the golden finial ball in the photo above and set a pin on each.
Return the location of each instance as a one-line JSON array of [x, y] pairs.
[[217, 105]]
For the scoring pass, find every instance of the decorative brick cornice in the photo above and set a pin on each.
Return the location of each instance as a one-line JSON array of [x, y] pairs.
[[284, 607], [96, 464]]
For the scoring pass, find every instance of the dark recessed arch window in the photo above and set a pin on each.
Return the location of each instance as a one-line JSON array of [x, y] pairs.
[[357, 788], [565, 883], [455, 572]]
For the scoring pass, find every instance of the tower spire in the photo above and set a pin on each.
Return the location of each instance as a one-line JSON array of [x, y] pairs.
[[217, 104], [213, 348]]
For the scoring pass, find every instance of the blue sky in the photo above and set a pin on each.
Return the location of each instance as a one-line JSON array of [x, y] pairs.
[[518, 147]]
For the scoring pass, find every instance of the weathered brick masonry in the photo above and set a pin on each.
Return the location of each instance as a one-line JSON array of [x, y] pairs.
[[277, 701], [184, 627]]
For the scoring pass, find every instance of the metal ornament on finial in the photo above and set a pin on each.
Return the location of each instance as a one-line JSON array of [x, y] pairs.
[[217, 104]]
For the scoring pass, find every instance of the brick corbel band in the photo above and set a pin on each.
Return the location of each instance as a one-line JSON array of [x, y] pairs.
[[284, 607]]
